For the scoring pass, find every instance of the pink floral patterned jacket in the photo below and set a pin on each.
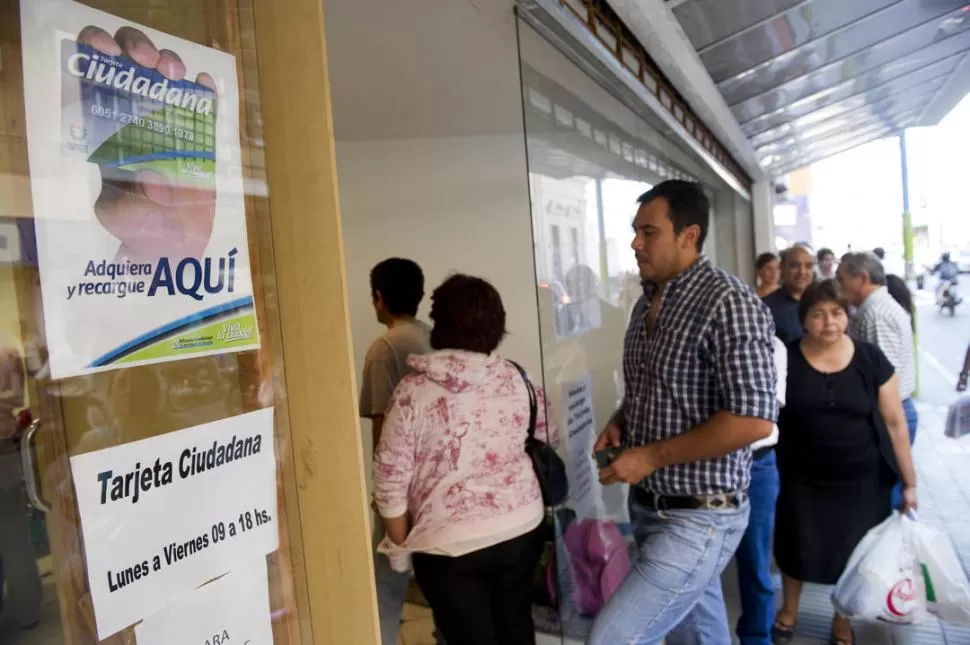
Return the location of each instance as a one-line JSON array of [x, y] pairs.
[[452, 454]]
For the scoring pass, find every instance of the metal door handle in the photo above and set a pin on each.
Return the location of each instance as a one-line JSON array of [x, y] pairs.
[[30, 471]]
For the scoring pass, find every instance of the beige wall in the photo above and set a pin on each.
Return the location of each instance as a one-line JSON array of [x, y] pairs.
[[430, 152]]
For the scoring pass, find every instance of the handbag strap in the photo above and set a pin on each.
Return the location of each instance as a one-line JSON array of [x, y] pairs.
[[533, 402]]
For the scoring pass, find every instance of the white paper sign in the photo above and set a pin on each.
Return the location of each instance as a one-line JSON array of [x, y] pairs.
[[580, 437], [163, 515], [233, 610], [136, 179]]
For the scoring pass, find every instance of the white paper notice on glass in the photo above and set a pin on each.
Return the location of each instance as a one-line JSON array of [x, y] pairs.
[[233, 610], [162, 516], [137, 187], [580, 437]]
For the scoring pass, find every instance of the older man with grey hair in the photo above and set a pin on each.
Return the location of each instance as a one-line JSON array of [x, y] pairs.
[[882, 321]]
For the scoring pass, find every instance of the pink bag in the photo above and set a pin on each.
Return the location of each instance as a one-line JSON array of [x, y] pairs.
[[599, 561]]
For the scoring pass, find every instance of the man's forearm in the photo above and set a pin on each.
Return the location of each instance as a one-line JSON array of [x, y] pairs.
[[722, 434]]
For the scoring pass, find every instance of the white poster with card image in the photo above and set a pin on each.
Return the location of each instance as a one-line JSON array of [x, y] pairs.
[[136, 179]]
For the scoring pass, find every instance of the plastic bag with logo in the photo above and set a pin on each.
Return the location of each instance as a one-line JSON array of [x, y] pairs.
[[882, 580], [946, 584]]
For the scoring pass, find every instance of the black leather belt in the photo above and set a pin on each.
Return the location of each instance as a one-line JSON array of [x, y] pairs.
[[688, 502], [761, 452]]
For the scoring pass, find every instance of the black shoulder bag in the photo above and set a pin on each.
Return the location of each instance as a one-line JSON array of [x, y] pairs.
[[548, 465]]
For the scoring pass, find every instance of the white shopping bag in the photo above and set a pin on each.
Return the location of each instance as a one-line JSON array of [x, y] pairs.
[[882, 580], [945, 581]]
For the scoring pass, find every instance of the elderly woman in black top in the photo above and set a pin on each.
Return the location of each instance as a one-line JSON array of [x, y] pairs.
[[843, 444]]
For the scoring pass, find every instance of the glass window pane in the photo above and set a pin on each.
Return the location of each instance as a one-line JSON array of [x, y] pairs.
[[147, 176]]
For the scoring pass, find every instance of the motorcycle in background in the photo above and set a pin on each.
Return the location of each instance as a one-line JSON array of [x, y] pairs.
[[950, 296]]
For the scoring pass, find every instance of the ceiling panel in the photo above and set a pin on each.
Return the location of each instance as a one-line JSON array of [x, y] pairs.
[[841, 141], [855, 38], [881, 100], [834, 148], [832, 97], [836, 128], [783, 38], [903, 53], [710, 21], [807, 78]]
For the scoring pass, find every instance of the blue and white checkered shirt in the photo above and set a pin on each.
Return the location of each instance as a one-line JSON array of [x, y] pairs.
[[711, 350]]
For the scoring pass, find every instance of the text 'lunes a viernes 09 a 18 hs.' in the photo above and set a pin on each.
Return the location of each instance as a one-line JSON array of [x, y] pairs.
[[173, 553], [191, 462]]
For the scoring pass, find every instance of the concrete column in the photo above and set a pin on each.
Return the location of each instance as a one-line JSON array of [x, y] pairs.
[[763, 205], [744, 242], [724, 230]]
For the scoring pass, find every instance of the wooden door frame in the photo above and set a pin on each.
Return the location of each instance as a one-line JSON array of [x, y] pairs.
[[318, 351]]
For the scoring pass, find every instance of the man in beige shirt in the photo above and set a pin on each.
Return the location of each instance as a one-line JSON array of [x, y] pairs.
[[397, 288]]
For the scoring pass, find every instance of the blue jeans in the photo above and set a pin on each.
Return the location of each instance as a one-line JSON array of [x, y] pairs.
[[674, 589], [912, 421], [392, 589], [754, 555]]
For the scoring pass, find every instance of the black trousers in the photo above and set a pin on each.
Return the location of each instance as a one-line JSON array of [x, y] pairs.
[[483, 597]]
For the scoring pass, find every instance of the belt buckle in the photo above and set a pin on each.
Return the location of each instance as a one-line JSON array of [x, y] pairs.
[[715, 502], [659, 505]]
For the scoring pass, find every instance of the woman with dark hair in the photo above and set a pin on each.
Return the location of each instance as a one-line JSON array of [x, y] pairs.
[[452, 481], [767, 274], [900, 292], [843, 443]]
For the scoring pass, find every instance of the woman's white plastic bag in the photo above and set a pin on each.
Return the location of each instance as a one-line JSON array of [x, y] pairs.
[[945, 581], [883, 580]]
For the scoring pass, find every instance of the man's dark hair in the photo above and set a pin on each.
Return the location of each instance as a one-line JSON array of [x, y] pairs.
[[401, 285], [880, 253], [688, 204], [468, 315], [824, 253], [763, 260], [818, 293]]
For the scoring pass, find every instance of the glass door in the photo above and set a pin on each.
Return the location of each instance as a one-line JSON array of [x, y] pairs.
[[138, 382], [590, 158]]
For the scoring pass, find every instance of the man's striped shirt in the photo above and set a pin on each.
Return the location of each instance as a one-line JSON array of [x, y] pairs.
[[883, 322]]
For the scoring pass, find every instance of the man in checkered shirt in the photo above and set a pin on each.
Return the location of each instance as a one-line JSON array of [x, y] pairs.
[[700, 388]]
